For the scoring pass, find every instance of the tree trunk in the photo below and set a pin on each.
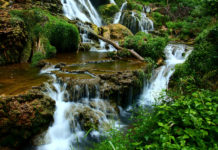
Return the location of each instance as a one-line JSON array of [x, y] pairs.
[[115, 45]]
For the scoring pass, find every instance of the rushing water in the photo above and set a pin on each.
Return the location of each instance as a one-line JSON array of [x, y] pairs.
[[69, 130], [133, 20], [175, 54], [82, 10]]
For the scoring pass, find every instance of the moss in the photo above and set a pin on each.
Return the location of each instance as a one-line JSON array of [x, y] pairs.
[[119, 2], [26, 53], [66, 31], [108, 11], [37, 57], [53, 29], [134, 6]]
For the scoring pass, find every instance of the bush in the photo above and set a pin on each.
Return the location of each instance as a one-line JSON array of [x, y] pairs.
[[188, 122], [211, 6], [202, 62], [146, 45], [37, 57], [159, 19]]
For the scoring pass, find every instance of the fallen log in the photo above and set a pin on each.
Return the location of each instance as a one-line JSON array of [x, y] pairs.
[[115, 45]]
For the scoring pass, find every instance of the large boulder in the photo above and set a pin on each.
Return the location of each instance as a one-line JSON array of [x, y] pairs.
[[115, 32], [23, 116]]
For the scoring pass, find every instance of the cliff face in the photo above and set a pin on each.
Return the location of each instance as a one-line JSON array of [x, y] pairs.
[[13, 38], [15, 46]]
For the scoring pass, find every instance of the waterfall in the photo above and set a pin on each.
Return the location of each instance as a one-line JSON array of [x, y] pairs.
[[133, 20], [118, 15], [175, 54], [82, 10], [112, 2], [69, 130]]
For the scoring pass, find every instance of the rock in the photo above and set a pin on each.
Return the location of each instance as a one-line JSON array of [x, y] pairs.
[[23, 116], [84, 47], [116, 32], [13, 38]]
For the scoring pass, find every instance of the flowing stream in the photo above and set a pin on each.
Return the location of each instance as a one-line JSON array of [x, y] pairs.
[[175, 54], [71, 116], [68, 131]]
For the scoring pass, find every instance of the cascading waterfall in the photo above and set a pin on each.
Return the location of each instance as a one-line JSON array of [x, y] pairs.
[[112, 2], [133, 20], [175, 54], [118, 15], [85, 11], [68, 130], [82, 10]]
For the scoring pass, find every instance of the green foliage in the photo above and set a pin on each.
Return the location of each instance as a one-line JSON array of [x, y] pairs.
[[131, 5], [108, 11], [159, 19], [49, 49], [37, 57], [124, 53], [55, 31], [202, 63], [119, 2], [188, 122], [188, 28], [211, 6], [146, 45]]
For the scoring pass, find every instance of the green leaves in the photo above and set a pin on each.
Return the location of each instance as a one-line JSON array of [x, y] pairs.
[[187, 123]]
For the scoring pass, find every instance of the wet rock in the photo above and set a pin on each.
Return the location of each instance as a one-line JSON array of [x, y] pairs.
[[23, 116], [59, 65], [115, 32]]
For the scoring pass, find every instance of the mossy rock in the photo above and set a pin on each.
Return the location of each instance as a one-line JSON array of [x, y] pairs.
[[116, 32], [108, 11]]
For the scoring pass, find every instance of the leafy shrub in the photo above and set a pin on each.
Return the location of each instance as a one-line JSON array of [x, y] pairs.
[[159, 19], [188, 122], [211, 6], [37, 57], [202, 62], [146, 45]]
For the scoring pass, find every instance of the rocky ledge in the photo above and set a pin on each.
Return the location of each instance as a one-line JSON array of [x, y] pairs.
[[23, 116]]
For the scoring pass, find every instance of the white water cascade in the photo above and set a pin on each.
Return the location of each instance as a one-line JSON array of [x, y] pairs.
[[175, 54], [133, 20], [67, 131], [112, 2], [118, 15], [82, 10]]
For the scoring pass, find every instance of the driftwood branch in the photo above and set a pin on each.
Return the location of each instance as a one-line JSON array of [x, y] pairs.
[[115, 45]]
